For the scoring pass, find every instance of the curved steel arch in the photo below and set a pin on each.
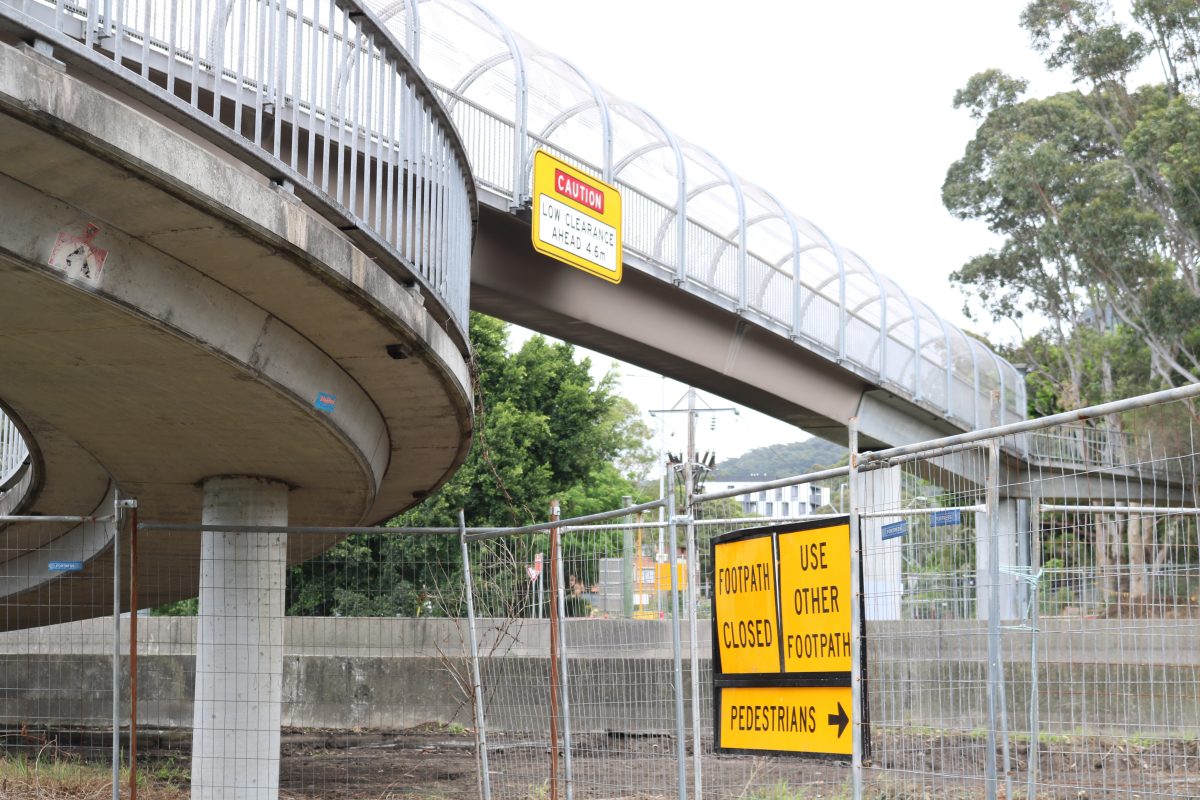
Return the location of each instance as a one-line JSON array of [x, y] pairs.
[[778, 264], [520, 103], [750, 223], [949, 355], [412, 28], [736, 185], [478, 71], [606, 134], [836, 250], [681, 198], [883, 315], [636, 153], [996, 362], [696, 191], [916, 345], [794, 230]]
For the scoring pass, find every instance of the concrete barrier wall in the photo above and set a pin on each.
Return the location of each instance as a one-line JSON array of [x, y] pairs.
[[396, 673]]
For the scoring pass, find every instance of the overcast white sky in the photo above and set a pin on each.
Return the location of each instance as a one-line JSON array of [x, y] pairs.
[[841, 109]]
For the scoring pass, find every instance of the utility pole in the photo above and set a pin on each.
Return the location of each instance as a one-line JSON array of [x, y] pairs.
[[693, 582], [689, 459]]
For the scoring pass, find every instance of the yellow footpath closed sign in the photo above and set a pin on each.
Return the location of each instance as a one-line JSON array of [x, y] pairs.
[[576, 218], [791, 719], [747, 630]]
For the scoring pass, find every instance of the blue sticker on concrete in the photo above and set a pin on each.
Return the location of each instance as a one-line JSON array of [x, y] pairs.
[[895, 529], [325, 402], [65, 566], [951, 516]]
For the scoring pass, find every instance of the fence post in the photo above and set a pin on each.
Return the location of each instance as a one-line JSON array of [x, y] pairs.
[[476, 683], [993, 615], [1034, 743], [693, 563], [856, 655], [676, 646], [565, 696], [627, 562]]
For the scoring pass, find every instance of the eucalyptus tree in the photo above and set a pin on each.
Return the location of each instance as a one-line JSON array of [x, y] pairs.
[[1094, 193]]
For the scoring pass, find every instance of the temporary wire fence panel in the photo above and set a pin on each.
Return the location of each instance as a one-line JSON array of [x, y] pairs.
[[925, 584], [1052, 651], [1104, 665], [56, 664]]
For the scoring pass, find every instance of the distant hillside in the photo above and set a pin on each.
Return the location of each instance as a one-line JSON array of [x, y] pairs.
[[780, 461]]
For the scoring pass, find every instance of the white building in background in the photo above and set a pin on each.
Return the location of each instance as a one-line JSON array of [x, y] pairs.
[[788, 502]]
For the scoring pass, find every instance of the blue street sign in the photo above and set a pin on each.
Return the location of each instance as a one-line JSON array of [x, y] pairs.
[[894, 529], [951, 516], [325, 402], [65, 566]]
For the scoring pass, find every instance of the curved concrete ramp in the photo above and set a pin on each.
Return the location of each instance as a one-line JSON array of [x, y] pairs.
[[172, 316]]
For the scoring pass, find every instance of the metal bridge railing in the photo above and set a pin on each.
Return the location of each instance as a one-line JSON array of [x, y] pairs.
[[315, 94]]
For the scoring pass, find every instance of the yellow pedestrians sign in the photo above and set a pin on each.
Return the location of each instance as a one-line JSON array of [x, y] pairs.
[[809, 720], [748, 628], [576, 218], [814, 589]]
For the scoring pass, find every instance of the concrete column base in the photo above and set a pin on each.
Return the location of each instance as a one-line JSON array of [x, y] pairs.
[[239, 643]]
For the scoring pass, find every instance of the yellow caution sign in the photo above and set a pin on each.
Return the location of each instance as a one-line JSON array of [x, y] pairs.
[[815, 598], [812, 720], [747, 625], [576, 218]]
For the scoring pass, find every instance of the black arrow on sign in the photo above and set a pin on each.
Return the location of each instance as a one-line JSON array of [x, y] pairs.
[[840, 719]]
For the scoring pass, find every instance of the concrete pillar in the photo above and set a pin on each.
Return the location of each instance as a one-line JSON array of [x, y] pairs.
[[1014, 526], [239, 643], [879, 490]]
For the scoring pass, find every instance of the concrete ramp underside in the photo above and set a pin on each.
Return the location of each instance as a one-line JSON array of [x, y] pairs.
[[198, 344]]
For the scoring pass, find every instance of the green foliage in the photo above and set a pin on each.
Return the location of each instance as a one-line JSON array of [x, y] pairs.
[[371, 575], [189, 607]]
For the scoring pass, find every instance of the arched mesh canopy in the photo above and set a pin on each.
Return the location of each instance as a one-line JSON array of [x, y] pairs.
[[687, 217]]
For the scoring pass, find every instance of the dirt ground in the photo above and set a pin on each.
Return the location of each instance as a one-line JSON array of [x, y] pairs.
[[434, 764], [437, 763]]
